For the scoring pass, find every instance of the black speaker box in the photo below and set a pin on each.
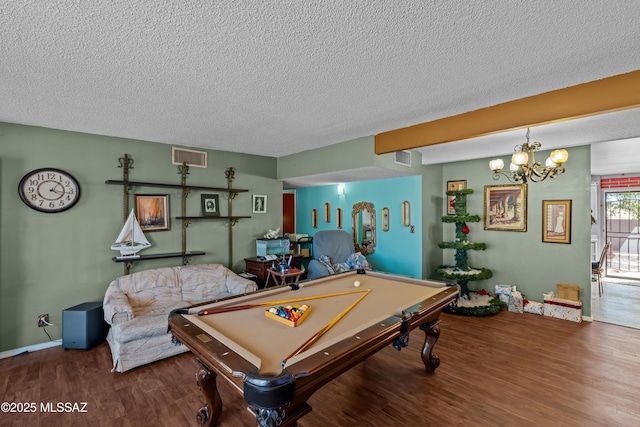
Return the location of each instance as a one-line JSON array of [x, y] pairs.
[[83, 326]]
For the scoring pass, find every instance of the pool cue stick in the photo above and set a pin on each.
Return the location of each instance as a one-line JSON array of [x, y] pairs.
[[262, 304], [322, 331]]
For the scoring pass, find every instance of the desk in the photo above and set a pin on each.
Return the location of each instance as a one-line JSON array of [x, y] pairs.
[[247, 348], [281, 278]]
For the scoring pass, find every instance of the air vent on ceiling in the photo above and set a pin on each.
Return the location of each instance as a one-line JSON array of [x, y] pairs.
[[197, 159], [402, 158]]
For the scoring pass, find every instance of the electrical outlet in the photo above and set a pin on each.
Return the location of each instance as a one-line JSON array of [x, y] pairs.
[[43, 319]]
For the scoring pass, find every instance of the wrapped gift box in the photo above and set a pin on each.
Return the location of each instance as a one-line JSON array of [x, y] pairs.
[[563, 309], [516, 302], [533, 307], [504, 292]]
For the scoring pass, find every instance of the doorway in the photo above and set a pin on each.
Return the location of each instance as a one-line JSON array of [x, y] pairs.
[[621, 280], [622, 229], [288, 213]]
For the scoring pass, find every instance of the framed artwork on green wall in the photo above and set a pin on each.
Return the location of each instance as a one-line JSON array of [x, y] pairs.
[[451, 200], [210, 204], [259, 202], [152, 211], [505, 207], [556, 221]]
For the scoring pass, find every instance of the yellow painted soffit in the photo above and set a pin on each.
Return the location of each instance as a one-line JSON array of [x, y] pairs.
[[611, 94]]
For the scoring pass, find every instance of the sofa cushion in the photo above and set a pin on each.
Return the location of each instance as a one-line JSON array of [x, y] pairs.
[[204, 282], [151, 287], [149, 321]]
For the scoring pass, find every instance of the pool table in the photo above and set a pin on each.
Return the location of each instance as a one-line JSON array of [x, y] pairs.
[[253, 351]]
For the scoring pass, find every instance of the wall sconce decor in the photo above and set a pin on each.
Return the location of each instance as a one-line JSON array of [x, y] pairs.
[[406, 213], [339, 218], [385, 219], [314, 218], [327, 212], [524, 167]]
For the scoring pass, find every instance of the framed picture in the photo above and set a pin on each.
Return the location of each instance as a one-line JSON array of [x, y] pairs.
[[259, 203], [454, 185], [152, 211], [556, 221], [505, 207], [210, 205]]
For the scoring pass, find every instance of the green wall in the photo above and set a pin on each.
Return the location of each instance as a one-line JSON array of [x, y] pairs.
[[349, 155], [49, 262], [521, 258], [432, 207]]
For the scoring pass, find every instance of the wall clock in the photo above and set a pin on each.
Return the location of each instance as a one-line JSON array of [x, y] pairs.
[[49, 190]]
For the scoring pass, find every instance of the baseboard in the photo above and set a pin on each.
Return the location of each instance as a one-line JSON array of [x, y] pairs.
[[30, 348], [587, 318]]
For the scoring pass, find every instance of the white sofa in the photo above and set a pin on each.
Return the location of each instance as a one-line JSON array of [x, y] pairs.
[[137, 307]]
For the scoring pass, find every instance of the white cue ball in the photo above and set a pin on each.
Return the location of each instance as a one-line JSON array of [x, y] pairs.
[[356, 283]]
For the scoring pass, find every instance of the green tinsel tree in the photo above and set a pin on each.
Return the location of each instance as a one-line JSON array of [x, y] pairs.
[[461, 273]]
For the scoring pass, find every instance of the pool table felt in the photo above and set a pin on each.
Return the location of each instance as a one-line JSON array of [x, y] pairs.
[[265, 342]]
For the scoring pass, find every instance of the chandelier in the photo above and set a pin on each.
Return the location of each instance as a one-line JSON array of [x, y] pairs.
[[524, 167]]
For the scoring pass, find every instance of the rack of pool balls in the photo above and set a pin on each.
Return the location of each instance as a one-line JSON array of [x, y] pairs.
[[289, 315]]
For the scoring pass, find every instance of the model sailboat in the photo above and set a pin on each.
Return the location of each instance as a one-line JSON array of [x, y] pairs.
[[131, 239]]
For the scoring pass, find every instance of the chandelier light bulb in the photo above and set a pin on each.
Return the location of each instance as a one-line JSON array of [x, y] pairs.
[[513, 167], [520, 158], [496, 164], [559, 156], [549, 163]]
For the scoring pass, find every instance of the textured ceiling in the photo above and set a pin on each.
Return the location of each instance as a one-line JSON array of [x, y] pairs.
[[279, 77]]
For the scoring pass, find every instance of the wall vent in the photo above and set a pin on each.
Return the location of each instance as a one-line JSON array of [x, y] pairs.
[[197, 159], [402, 157]]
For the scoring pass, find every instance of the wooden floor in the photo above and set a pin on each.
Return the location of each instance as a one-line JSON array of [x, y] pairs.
[[506, 370]]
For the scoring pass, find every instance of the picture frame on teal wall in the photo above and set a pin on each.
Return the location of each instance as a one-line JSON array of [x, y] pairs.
[[556, 221], [505, 207]]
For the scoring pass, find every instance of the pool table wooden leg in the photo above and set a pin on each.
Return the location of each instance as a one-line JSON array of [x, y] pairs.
[[209, 414], [432, 333]]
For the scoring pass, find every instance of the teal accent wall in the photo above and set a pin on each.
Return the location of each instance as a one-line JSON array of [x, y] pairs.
[[49, 262], [398, 251], [521, 258]]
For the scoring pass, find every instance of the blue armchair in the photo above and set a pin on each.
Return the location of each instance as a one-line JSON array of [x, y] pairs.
[[337, 245]]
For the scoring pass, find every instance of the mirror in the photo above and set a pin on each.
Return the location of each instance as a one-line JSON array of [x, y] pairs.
[[339, 218], [327, 212], [385, 219], [406, 213], [364, 227], [314, 218]]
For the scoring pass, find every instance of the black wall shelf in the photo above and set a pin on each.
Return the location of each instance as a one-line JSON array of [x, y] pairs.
[[179, 186], [156, 256], [127, 161]]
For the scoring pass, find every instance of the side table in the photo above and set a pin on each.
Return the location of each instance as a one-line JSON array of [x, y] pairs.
[[281, 278], [260, 267]]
